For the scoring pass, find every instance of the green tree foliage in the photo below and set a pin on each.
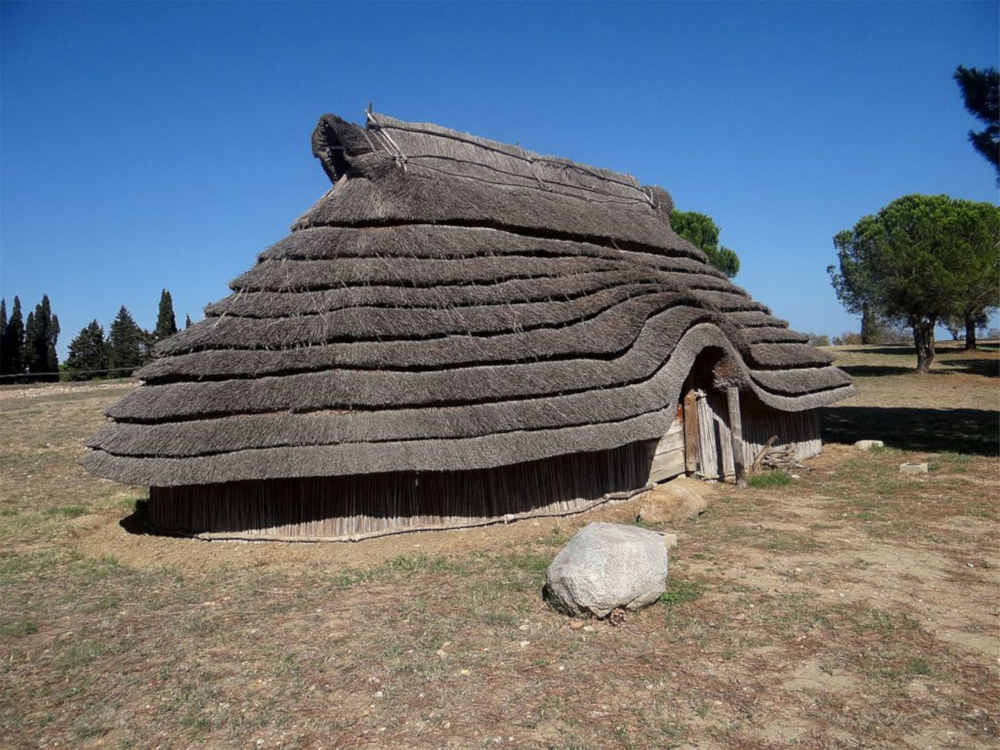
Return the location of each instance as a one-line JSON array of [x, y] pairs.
[[127, 344], [166, 323], [981, 93], [41, 332], [88, 353], [703, 233], [187, 321], [977, 238], [920, 260], [12, 343]]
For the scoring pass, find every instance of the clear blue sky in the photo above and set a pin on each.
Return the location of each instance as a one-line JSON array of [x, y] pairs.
[[161, 144]]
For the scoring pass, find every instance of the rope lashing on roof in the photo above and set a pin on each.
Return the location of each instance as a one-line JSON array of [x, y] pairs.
[[534, 173], [364, 132], [391, 146], [648, 192], [513, 153], [549, 186], [591, 173]]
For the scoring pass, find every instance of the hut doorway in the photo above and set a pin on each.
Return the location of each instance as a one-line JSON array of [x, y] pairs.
[[708, 447], [691, 443], [710, 405]]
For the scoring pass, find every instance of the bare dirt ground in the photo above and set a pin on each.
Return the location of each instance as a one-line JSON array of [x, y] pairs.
[[852, 607]]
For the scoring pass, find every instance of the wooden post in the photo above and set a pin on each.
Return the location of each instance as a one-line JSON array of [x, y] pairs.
[[736, 432], [692, 438]]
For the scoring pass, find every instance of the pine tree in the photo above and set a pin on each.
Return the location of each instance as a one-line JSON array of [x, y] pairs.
[[701, 231], [88, 353], [166, 323], [12, 346], [41, 333], [981, 94], [126, 343]]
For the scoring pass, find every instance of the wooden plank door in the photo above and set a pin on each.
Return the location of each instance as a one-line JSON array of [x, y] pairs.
[[692, 439]]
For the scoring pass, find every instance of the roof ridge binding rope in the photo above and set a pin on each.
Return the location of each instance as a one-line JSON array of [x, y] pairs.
[[396, 151], [532, 160]]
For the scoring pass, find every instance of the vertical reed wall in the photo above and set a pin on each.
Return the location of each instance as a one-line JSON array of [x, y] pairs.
[[354, 507]]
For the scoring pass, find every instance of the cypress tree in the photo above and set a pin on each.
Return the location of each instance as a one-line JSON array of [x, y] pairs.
[[166, 323], [30, 334], [187, 321], [3, 336], [41, 334], [12, 346], [88, 352], [126, 343]]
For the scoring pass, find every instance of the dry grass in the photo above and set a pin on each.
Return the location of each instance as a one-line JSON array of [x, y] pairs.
[[851, 607]]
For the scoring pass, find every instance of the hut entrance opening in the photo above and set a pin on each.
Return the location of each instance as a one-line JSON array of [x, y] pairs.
[[693, 437], [707, 445], [700, 438]]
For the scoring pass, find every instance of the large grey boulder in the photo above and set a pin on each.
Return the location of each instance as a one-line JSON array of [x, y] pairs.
[[607, 566]]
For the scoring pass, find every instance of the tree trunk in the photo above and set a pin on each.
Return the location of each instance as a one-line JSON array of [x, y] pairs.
[[923, 338], [870, 325], [970, 333]]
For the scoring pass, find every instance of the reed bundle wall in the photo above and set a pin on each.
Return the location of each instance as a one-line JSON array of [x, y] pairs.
[[360, 506]]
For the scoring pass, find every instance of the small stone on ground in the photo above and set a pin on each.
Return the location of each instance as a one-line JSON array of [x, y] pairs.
[[867, 445]]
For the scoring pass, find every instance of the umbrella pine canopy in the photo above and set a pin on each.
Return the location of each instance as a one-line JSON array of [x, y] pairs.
[[451, 304]]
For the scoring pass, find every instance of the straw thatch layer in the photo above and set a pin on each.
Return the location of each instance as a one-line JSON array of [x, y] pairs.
[[592, 394], [410, 173], [452, 304], [276, 444], [442, 241], [364, 458]]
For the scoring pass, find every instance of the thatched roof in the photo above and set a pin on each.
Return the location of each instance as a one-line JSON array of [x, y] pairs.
[[450, 303]]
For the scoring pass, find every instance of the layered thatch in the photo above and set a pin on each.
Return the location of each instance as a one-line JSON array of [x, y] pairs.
[[451, 304]]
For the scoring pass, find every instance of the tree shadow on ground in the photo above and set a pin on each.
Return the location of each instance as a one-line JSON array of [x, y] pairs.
[[900, 350], [875, 371], [939, 430], [989, 368]]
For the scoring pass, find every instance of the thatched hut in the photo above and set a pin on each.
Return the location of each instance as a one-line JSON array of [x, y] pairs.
[[460, 331]]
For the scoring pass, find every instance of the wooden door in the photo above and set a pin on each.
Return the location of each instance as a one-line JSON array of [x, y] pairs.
[[692, 438]]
